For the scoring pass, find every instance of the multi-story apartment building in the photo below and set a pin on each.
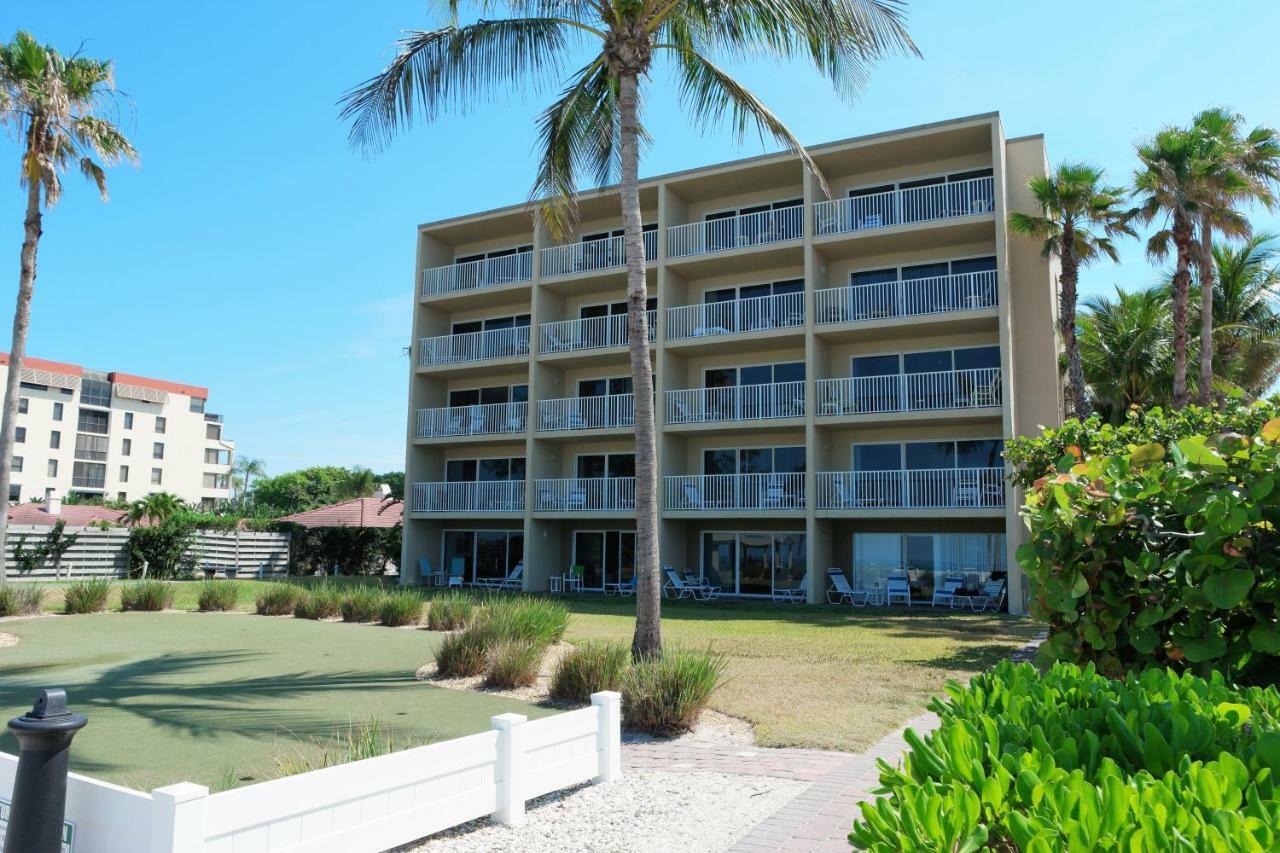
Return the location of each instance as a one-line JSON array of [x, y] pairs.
[[835, 376], [115, 435]]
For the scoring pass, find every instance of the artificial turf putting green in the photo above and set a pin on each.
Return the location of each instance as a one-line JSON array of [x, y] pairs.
[[216, 698]]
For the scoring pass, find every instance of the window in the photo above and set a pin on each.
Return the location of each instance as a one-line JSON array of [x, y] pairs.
[[32, 386], [492, 394], [923, 557], [758, 223], [15, 493], [88, 475], [157, 450], [751, 478], [57, 411], [927, 288], [95, 392], [197, 405], [724, 309], [606, 556], [20, 435], [920, 199], [215, 481], [967, 377], [471, 470], [738, 393], [24, 404], [128, 420], [122, 496], [124, 473], [482, 553], [922, 474], [156, 476], [213, 432], [55, 440], [126, 447], [53, 468], [17, 465], [91, 447], [94, 421], [217, 457], [161, 423], [754, 563]]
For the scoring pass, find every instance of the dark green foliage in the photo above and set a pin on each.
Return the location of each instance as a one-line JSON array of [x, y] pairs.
[[361, 604], [665, 695], [450, 612], [465, 653], [20, 599], [146, 595], [1156, 543], [165, 548], [589, 668], [48, 549], [540, 620], [522, 628], [514, 663], [402, 607], [278, 599], [320, 601], [86, 596], [1071, 759], [217, 596], [354, 550]]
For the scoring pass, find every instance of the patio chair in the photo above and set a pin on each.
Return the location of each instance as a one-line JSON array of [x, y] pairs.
[[548, 499], [791, 595], [897, 588], [946, 594], [511, 582], [965, 492], [428, 575], [577, 498], [554, 342], [455, 425], [985, 395], [992, 597], [684, 415], [708, 591], [843, 499], [626, 588], [457, 569], [693, 497], [675, 587], [775, 496], [841, 593]]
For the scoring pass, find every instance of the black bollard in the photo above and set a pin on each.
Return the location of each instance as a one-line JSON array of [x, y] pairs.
[[40, 789]]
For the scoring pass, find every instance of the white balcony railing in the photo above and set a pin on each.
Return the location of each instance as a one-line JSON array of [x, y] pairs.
[[734, 491], [899, 207], [482, 419], [609, 411], [943, 488], [479, 496], [591, 333], [586, 494], [921, 296], [754, 314], [591, 255], [910, 392], [473, 275], [474, 346], [736, 403], [735, 232]]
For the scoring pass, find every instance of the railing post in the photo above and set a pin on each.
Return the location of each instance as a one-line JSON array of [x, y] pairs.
[[510, 769], [608, 705], [178, 825]]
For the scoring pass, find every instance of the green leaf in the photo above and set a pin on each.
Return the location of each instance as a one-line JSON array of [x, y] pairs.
[[1226, 589], [1146, 454], [1080, 587], [1197, 452], [1234, 712], [1144, 640], [1204, 648]]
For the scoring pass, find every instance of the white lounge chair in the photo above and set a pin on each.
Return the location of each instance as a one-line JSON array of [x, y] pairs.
[[693, 497], [992, 597], [708, 591], [775, 496], [676, 587], [842, 593], [794, 595], [510, 582], [946, 593], [897, 588], [626, 588]]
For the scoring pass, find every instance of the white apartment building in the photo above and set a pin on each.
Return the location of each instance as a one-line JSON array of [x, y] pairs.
[[115, 435]]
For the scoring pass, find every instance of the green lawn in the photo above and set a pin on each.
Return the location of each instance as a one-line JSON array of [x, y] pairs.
[[215, 697]]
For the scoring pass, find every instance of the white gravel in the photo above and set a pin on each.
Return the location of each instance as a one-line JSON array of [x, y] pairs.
[[647, 810]]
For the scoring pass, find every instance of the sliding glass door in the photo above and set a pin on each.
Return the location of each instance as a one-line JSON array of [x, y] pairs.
[[482, 553], [926, 558], [606, 557], [753, 563]]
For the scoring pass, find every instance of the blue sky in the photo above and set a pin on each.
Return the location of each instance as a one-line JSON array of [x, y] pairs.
[[253, 253]]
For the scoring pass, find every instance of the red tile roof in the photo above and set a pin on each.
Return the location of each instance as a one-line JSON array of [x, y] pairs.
[[360, 512], [43, 364], [75, 515], [160, 384]]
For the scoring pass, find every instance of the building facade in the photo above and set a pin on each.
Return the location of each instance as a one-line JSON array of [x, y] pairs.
[[116, 436], [835, 376]]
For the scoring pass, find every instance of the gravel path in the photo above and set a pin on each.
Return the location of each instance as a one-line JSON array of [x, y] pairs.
[[647, 811]]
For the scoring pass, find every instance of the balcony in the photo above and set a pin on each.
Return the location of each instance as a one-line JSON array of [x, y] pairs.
[[910, 392], [480, 496], [475, 275], [904, 207], [754, 314], [586, 494], [473, 346], [611, 411], [589, 334], [97, 483], [593, 256], [736, 232], [919, 297], [736, 403], [940, 488], [482, 419], [699, 492]]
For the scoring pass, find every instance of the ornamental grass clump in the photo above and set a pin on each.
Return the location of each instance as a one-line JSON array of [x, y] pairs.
[[465, 654], [216, 596], [536, 619], [403, 607], [146, 595], [587, 669], [361, 604], [20, 599], [664, 695], [321, 601], [87, 596], [278, 599], [450, 612], [514, 663]]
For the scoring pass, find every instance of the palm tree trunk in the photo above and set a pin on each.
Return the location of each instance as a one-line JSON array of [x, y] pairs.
[[1182, 238], [17, 353], [647, 641], [1067, 297], [1206, 311]]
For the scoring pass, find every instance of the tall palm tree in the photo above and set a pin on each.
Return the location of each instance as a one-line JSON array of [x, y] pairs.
[[1240, 169], [54, 105], [1079, 217], [1246, 313], [1126, 346], [249, 468], [360, 482], [595, 124]]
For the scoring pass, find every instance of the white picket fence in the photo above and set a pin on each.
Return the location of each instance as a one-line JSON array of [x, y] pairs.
[[368, 805], [105, 553]]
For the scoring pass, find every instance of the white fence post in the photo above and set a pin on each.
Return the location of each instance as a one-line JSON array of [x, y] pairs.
[[179, 821], [510, 769], [608, 704]]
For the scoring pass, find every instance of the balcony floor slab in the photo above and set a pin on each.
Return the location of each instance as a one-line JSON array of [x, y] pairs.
[[907, 328], [890, 239]]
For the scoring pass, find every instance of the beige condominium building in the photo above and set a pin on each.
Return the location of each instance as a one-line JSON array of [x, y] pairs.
[[115, 435], [835, 377]]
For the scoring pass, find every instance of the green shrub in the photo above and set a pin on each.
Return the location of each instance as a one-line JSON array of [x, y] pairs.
[[354, 743], [450, 612], [465, 653], [362, 604], [86, 596], [1156, 543], [20, 599], [321, 601], [278, 599], [665, 695], [146, 595], [217, 595], [589, 668], [514, 663], [165, 548], [1070, 759], [537, 619], [403, 607]]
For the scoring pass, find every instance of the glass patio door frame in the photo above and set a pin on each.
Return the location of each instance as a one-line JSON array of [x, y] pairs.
[[611, 570], [473, 559], [733, 585]]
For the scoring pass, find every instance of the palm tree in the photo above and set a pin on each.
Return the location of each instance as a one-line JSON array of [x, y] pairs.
[[1246, 314], [360, 482], [1074, 207], [248, 468], [156, 508], [1239, 169], [54, 105], [595, 124], [1126, 346]]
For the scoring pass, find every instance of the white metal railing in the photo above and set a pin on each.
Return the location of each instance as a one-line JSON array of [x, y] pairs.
[[734, 491], [474, 346], [571, 413], [753, 314], [736, 403], [586, 494], [910, 392], [589, 333], [476, 496], [897, 207], [590, 255], [480, 419], [733, 232], [914, 297], [911, 489], [473, 275]]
